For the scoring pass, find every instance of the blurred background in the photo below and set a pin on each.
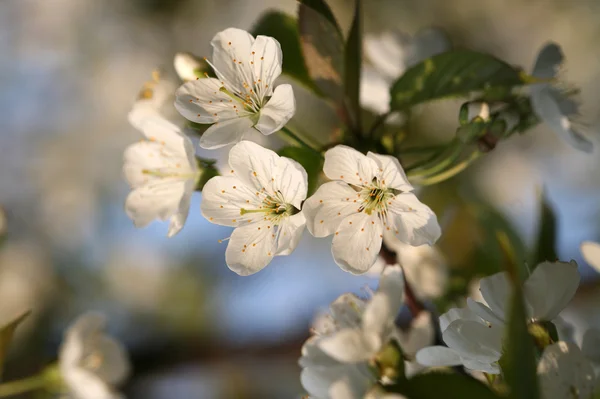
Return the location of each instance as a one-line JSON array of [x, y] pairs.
[[69, 73]]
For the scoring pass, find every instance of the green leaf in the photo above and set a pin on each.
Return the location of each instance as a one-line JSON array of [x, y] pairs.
[[518, 362], [6, 333], [447, 385], [353, 55], [546, 241], [284, 28], [310, 160], [454, 73], [323, 49], [323, 9]]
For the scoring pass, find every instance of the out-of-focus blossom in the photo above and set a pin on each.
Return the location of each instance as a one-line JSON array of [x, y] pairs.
[[163, 173], [564, 372], [336, 359], [261, 197], [92, 363], [370, 195], [390, 54], [591, 253], [551, 104], [243, 97], [474, 335], [187, 66], [155, 99]]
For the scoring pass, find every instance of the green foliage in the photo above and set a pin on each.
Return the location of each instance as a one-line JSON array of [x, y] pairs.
[[447, 385], [284, 28], [310, 160], [6, 333], [546, 241], [353, 56], [323, 47], [518, 362], [454, 73]]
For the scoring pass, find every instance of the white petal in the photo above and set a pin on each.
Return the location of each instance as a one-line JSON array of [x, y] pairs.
[[202, 101], [474, 340], [158, 200], [357, 242], [484, 312], [420, 334], [255, 165], [326, 208], [223, 198], [278, 111], [314, 357], [348, 346], [316, 382], [251, 248], [546, 102], [227, 132], [591, 254], [229, 45], [412, 221], [267, 59], [391, 172], [388, 52], [291, 181], [548, 61], [72, 348], [385, 304], [590, 345], [564, 370], [160, 104], [186, 66], [550, 288], [457, 314], [496, 291], [374, 91], [347, 164], [178, 220], [347, 311], [114, 367], [438, 356], [485, 367], [357, 380], [85, 385], [289, 233]]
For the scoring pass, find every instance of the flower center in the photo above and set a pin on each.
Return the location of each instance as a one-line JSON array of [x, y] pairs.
[[274, 208], [375, 198]]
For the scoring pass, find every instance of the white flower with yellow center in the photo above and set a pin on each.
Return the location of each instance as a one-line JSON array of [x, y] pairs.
[[261, 197], [242, 97], [91, 363], [162, 172], [551, 104], [370, 195]]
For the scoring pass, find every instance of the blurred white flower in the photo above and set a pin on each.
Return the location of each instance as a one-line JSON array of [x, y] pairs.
[[591, 253], [370, 195], [474, 335], [261, 197], [390, 54], [551, 104], [336, 359], [565, 373], [242, 98], [162, 172], [187, 66], [92, 363], [590, 346], [155, 99]]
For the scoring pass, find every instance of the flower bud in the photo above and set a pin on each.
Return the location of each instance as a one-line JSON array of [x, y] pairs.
[[187, 66], [474, 111]]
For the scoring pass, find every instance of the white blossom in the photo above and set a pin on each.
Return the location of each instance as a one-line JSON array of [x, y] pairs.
[[155, 100], [474, 335], [551, 104], [370, 195], [565, 373], [92, 363], [591, 253], [261, 197], [162, 172], [390, 54], [336, 359], [243, 96]]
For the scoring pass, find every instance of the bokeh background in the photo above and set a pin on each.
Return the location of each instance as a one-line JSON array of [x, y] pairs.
[[69, 73]]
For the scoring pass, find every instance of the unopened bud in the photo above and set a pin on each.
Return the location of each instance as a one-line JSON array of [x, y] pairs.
[[187, 66], [476, 111]]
